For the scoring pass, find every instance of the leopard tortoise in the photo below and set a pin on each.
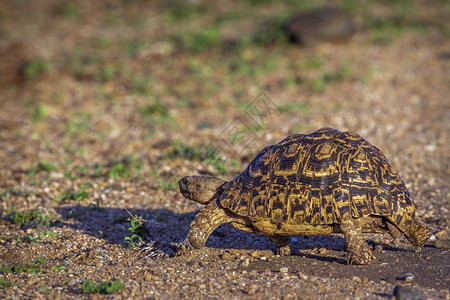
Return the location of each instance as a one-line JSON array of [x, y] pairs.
[[308, 184]]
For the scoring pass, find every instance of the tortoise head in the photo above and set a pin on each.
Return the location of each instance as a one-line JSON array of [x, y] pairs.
[[200, 188]]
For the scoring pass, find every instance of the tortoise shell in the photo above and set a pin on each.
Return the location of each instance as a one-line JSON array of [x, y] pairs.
[[324, 177]]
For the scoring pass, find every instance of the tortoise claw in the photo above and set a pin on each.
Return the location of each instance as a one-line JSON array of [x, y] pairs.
[[184, 248], [362, 258], [284, 250]]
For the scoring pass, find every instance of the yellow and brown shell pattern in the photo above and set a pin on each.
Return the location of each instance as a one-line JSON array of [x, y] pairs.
[[324, 177]]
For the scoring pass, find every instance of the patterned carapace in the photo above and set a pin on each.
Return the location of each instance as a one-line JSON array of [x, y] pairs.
[[324, 177]]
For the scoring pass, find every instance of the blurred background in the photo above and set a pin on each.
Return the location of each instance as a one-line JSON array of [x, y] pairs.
[[94, 92]]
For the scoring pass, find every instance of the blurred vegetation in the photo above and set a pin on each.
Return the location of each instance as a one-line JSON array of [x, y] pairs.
[[166, 58]]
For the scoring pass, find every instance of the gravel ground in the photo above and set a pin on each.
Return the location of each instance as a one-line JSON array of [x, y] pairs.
[[105, 105]]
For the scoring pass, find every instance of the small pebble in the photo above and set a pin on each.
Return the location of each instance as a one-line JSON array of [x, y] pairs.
[[302, 276], [255, 254], [322, 250], [284, 270], [444, 244], [407, 292], [245, 263], [409, 277], [227, 256]]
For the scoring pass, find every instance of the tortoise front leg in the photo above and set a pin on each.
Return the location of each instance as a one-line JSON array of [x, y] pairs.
[[206, 221], [358, 252], [283, 247]]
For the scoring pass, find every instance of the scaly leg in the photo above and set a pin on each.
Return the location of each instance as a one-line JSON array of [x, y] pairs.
[[206, 221], [283, 247], [358, 252]]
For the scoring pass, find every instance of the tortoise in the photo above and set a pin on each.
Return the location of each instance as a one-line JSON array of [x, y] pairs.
[[319, 183]]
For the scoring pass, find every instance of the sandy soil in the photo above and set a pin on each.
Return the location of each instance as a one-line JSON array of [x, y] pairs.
[[106, 105]]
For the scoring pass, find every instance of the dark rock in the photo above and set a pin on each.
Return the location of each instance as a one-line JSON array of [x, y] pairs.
[[407, 292], [326, 24]]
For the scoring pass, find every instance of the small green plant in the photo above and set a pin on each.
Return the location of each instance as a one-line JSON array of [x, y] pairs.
[[42, 166], [58, 267], [142, 84], [5, 269], [151, 110], [4, 283], [208, 154], [137, 228], [25, 217], [68, 9], [106, 73], [6, 193], [36, 68], [46, 289], [31, 238], [78, 196], [39, 113], [38, 236], [125, 168], [164, 184], [33, 268], [198, 40], [212, 156], [184, 151], [133, 47], [178, 11], [104, 287], [78, 124]]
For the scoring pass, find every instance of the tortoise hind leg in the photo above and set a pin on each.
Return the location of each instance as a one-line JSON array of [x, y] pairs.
[[393, 230], [358, 252], [283, 247], [416, 232]]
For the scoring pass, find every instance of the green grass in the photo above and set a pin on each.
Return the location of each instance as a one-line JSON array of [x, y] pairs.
[[179, 11], [46, 289], [106, 73], [184, 151], [124, 168], [43, 166], [197, 40], [150, 111], [78, 196], [6, 193], [385, 32], [32, 268], [4, 283], [103, 287], [38, 236], [25, 217], [36, 68], [164, 184], [5, 269], [39, 113], [68, 9], [293, 107], [78, 124]]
